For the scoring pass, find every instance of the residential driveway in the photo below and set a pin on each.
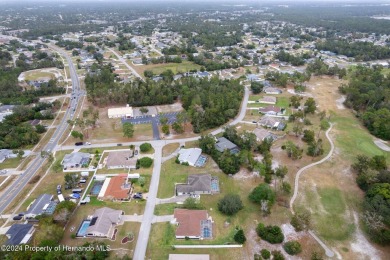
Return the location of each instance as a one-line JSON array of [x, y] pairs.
[[166, 218], [132, 218], [155, 121], [4, 230], [174, 199]]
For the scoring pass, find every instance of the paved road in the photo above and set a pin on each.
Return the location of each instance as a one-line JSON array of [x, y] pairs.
[[135, 73], [155, 121], [143, 237], [18, 185]]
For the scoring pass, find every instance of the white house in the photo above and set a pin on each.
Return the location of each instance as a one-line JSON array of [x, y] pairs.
[[120, 112]]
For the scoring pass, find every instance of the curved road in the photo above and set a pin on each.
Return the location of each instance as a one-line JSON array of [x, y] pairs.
[[17, 186], [328, 252]]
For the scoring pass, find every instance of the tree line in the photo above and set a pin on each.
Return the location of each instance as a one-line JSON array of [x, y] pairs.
[[361, 51], [368, 93], [209, 103]]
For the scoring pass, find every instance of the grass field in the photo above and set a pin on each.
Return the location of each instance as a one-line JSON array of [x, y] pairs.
[[160, 68], [169, 149], [35, 75]]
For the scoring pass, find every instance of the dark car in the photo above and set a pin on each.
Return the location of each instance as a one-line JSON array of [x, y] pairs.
[[78, 143], [21, 214], [136, 152], [17, 218], [137, 196], [118, 144]]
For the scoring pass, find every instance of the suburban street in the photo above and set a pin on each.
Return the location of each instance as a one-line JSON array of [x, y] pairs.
[[135, 73], [17, 186]]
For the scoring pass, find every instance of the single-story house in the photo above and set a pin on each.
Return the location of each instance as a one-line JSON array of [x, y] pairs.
[[271, 110], [19, 234], [272, 122], [188, 257], [5, 154], [103, 222], [5, 110], [196, 184], [189, 156], [268, 100], [75, 160], [194, 224], [262, 134], [224, 144], [118, 188], [272, 90], [120, 112], [253, 77], [121, 160], [44, 204]]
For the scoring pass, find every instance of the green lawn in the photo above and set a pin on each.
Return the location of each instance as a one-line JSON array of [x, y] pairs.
[[175, 67], [282, 102], [353, 139], [10, 163], [165, 209]]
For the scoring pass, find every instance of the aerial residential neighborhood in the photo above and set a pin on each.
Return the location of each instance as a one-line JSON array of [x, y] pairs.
[[194, 130]]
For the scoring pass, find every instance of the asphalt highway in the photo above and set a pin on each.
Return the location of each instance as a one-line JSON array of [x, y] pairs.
[[17, 186]]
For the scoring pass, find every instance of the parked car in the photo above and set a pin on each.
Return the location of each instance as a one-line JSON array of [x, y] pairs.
[[78, 143], [17, 218], [137, 195], [59, 189], [119, 144], [135, 152]]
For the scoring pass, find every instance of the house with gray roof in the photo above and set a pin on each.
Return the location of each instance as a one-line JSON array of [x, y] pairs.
[[75, 160], [44, 204], [189, 156], [103, 222], [19, 234], [262, 134], [224, 144], [196, 184]]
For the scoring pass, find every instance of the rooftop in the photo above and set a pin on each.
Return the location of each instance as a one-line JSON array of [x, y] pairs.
[[118, 188], [189, 222], [195, 182]]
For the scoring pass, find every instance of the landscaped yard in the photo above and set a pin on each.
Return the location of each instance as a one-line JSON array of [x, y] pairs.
[[10, 163]]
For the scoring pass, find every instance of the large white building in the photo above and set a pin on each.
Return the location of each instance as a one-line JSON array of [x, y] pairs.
[[120, 112]]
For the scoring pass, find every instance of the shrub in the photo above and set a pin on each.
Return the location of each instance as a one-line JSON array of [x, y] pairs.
[[265, 253], [277, 255], [301, 220], [292, 247], [230, 204], [272, 234], [145, 147], [239, 237], [145, 162], [73, 236]]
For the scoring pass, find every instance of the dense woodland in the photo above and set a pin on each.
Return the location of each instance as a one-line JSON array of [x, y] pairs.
[[368, 93], [373, 177], [210, 103], [361, 51]]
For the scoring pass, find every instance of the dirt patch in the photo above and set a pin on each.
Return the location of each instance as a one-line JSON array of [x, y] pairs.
[[361, 245], [175, 107]]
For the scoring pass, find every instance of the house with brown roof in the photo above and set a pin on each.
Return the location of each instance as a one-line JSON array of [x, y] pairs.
[[271, 110], [194, 224], [116, 188], [272, 122], [121, 160]]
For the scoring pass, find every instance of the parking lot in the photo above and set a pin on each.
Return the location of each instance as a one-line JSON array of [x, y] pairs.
[[154, 120]]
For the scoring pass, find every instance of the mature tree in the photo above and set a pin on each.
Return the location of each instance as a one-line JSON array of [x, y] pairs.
[[145, 162], [272, 234], [298, 128], [163, 120], [295, 101], [207, 143], [128, 129], [315, 148], [230, 204], [239, 237], [178, 128], [308, 136], [165, 129], [229, 163], [256, 87], [144, 110], [71, 180], [265, 253], [263, 192], [77, 134], [293, 151], [310, 106], [145, 147]]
